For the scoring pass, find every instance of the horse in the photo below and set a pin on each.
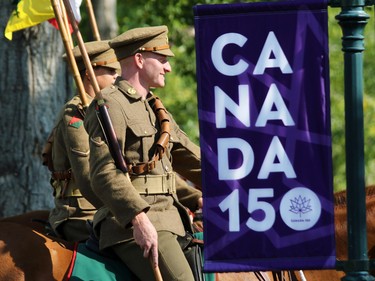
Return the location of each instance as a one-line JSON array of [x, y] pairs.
[[28, 253], [37, 220], [341, 235]]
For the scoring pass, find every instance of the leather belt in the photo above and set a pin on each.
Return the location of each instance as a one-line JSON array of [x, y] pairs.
[[142, 167], [155, 184], [62, 175], [61, 184]]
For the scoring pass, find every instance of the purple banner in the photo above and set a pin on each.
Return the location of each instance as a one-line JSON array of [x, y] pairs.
[[263, 98]]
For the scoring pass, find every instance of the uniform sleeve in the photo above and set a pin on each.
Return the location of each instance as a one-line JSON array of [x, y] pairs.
[[187, 195], [186, 159], [77, 146], [110, 184]]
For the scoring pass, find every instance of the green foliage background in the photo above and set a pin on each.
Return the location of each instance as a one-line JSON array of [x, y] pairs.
[[180, 95], [337, 98]]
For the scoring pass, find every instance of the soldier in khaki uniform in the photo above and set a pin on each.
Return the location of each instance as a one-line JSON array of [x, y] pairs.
[[69, 162], [142, 216]]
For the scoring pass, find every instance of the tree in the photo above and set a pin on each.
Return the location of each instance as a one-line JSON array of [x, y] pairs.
[[34, 85], [107, 21]]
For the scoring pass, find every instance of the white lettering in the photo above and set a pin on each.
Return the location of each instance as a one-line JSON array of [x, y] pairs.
[[217, 54], [223, 146], [274, 98], [265, 60], [223, 101], [269, 166]]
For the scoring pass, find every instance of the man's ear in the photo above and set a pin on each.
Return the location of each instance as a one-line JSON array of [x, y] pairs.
[[138, 59]]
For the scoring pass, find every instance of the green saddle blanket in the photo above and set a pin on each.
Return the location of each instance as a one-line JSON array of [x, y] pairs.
[[90, 266], [87, 265]]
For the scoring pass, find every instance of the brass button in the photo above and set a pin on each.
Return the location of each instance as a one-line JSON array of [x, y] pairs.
[[131, 91]]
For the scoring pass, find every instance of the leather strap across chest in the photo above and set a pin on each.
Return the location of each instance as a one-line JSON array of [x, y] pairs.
[[162, 143]]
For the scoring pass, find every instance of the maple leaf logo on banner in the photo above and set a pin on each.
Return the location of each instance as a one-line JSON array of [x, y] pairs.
[[300, 205]]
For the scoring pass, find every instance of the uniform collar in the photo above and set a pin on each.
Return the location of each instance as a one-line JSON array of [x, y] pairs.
[[127, 88]]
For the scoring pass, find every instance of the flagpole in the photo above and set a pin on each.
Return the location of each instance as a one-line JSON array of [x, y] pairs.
[[64, 31], [108, 127], [65, 22], [93, 24], [82, 48]]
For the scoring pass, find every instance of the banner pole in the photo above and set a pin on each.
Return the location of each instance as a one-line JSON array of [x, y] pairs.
[[353, 20], [64, 31]]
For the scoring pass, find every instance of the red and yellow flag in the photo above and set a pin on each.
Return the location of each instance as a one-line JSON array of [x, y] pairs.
[[27, 14], [33, 12]]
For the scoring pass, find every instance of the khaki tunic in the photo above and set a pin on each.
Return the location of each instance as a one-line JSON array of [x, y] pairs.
[[137, 131], [70, 151]]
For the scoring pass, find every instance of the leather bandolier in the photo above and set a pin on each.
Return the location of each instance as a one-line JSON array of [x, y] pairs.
[[161, 144], [145, 183]]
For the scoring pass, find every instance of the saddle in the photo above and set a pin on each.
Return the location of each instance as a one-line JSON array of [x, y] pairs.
[[89, 265], [87, 256], [190, 244]]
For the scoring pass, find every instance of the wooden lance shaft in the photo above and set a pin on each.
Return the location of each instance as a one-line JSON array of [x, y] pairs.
[[107, 124], [66, 22], [94, 26], [157, 273], [65, 35], [82, 48]]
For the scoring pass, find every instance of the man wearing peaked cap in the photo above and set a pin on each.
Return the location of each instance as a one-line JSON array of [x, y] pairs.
[[100, 54], [143, 217], [67, 156], [152, 39]]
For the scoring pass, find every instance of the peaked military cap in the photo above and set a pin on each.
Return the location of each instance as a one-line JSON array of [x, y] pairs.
[[142, 39], [100, 54]]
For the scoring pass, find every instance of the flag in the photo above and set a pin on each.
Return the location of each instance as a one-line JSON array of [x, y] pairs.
[[33, 12], [75, 4], [27, 14]]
